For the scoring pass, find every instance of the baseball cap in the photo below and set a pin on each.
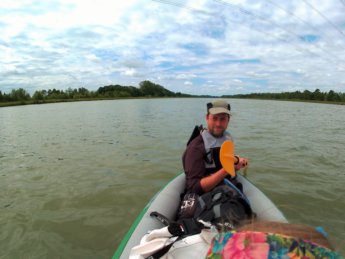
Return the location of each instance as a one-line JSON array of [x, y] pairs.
[[218, 106]]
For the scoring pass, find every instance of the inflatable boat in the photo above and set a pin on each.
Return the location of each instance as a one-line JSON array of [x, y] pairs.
[[167, 202]]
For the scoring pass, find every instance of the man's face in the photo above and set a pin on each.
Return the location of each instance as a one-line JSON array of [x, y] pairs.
[[217, 123]]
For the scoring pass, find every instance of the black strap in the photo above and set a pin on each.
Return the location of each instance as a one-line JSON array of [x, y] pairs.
[[176, 229], [187, 226], [190, 227], [195, 133], [181, 228], [165, 221]]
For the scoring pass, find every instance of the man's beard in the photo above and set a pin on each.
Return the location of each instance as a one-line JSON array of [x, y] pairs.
[[216, 135]]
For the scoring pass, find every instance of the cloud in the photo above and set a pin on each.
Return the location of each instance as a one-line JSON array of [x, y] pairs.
[[186, 76], [129, 72], [208, 47], [237, 81]]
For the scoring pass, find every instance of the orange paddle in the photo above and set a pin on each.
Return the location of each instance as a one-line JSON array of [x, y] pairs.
[[227, 157]]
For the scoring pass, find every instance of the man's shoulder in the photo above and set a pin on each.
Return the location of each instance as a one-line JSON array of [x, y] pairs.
[[227, 134], [196, 146], [195, 151], [196, 142]]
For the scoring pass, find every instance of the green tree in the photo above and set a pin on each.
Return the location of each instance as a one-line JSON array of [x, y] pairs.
[[83, 92], [333, 96], [306, 95], [39, 95], [19, 95], [150, 89], [318, 95], [56, 94], [68, 93], [118, 91]]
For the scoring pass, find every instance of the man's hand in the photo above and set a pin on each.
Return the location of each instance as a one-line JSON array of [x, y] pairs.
[[242, 162]]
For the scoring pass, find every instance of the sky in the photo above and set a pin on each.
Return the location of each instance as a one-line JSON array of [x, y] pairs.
[[203, 47]]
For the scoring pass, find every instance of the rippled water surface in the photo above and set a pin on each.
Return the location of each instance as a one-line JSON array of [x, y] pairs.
[[74, 176]]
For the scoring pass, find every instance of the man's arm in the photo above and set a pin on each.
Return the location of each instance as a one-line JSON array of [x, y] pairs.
[[194, 165], [209, 182]]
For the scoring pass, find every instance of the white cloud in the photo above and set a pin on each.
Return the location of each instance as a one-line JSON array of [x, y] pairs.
[[92, 57], [237, 81], [185, 76], [129, 72]]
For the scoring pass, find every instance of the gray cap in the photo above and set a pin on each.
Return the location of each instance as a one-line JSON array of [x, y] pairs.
[[218, 106]]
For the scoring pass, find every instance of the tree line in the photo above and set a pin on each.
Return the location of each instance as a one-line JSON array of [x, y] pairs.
[[317, 95], [149, 89], [145, 89]]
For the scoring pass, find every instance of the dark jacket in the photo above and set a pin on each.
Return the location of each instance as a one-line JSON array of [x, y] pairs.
[[194, 162]]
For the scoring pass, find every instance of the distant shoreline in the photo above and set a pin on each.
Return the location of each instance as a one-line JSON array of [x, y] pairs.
[[148, 89], [291, 100], [34, 102]]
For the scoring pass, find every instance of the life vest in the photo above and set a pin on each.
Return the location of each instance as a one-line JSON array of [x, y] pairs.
[[212, 147]]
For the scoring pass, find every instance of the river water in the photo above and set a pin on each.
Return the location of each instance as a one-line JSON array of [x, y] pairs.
[[74, 176]]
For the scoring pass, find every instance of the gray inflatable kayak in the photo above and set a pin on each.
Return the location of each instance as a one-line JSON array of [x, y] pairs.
[[167, 202]]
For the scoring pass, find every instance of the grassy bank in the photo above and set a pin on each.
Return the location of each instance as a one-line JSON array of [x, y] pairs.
[[29, 102]]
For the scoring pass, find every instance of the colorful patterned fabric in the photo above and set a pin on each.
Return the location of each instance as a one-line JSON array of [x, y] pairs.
[[258, 245]]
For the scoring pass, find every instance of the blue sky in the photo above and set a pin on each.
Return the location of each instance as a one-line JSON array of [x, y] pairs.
[[211, 47]]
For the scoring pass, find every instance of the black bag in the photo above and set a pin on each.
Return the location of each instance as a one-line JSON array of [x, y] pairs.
[[188, 206], [224, 207]]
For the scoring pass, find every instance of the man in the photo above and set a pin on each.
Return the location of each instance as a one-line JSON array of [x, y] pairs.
[[201, 161]]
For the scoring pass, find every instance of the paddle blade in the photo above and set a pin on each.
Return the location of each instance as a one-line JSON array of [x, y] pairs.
[[227, 157]]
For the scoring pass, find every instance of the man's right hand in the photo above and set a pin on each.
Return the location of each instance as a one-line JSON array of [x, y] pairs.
[[242, 162]]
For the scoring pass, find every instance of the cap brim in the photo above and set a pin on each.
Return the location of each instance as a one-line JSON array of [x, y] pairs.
[[218, 110]]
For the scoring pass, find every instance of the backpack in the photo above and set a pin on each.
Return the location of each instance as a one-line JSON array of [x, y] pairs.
[[196, 132], [224, 207]]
